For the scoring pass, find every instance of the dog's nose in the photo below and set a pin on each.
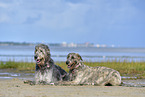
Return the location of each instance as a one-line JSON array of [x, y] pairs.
[[35, 56], [67, 62]]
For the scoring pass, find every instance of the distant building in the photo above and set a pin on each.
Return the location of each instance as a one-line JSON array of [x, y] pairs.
[[97, 45], [64, 44], [72, 45], [87, 44], [103, 45]]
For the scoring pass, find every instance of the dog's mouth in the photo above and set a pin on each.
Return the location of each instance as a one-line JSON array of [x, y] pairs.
[[38, 61], [70, 65]]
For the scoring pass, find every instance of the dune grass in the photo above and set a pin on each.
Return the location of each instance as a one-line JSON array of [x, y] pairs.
[[19, 66], [125, 68]]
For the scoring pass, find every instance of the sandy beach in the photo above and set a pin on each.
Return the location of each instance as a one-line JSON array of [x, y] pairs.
[[16, 88]]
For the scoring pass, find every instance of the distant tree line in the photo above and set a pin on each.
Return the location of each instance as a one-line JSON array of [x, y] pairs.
[[15, 43]]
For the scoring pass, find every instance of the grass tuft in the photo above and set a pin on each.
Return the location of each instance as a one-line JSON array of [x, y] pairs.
[[17, 65], [136, 69]]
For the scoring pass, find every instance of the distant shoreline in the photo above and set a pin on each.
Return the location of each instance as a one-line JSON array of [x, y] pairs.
[[63, 44]]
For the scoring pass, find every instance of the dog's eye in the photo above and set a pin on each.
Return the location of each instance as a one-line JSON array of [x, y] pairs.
[[41, 51], [72, 57]]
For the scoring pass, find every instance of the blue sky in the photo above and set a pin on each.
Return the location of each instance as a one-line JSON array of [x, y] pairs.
[[118, 22]]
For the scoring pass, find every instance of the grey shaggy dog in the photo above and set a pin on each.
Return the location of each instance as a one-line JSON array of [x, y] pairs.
[[46, 71], [81, 74]]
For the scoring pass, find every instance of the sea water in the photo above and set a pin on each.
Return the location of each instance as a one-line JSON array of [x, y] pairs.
[[93, 54]]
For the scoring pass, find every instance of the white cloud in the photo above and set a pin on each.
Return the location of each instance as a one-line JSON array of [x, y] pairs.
[[60, 13], [4, 18], [8, 10], [73, 15], [3, 5]]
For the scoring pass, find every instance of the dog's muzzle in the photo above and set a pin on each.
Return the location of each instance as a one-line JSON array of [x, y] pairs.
[[70, 64], [37, 59]]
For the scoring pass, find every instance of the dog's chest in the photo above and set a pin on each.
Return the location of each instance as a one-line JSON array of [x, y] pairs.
[[76, 75], [46, 75]]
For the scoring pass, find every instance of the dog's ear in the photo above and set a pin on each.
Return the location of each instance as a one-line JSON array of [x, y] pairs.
[[69, 55], [79, 57], [48, 52], [46, 49]]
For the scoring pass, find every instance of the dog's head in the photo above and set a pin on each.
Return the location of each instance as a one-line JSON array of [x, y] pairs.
[[42, 53], [72, 60]]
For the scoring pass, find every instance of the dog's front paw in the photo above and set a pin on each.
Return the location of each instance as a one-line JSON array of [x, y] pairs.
[[52, 84], [57, 83], [29, 82]]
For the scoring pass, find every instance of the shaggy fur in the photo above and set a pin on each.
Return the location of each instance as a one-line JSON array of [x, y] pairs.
[[81, 74], [46, 71]]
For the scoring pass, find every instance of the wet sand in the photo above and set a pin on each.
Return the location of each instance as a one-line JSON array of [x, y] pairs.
[[16, 88]]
